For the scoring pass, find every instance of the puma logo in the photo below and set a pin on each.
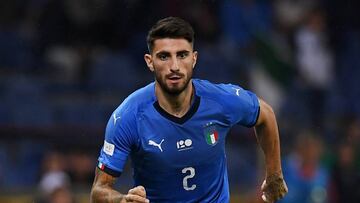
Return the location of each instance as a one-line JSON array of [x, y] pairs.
[[156, 144], [115, 118], [237, 90]]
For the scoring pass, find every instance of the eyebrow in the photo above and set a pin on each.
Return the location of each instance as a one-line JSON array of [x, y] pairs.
[[183, 52], [168, 53], [163, 53]]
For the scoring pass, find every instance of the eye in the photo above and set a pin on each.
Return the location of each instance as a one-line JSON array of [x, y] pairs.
[[163, 57], [183, 55]]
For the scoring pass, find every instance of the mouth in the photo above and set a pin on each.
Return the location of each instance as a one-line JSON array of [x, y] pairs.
[[174, 78]]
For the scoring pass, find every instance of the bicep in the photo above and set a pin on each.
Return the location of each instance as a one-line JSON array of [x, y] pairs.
[[265, 113], [241, 106], [120, 138]]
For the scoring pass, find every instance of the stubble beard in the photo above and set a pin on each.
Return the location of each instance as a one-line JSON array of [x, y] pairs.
[[175, 90]]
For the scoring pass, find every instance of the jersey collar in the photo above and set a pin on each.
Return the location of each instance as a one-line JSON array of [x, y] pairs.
[[180, 120]]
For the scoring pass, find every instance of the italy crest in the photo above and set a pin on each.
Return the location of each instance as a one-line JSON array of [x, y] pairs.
[[211, 134]]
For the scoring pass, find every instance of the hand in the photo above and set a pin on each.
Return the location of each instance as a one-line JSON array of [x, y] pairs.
[[273, 188], [137, 195]]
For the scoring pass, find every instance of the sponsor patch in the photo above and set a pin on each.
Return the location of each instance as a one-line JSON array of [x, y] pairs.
[[108, 148], [184, 144]]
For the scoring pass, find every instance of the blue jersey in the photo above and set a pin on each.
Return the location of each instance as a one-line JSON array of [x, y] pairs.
[[178, 159]]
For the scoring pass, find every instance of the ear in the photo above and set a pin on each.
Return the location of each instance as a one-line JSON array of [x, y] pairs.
[[149, 62], [195, 55]]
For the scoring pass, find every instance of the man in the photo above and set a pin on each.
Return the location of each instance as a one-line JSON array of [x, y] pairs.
[[174, 130]]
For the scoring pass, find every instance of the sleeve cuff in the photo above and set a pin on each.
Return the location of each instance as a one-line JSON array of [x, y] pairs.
[[257, 118], [108, 170]]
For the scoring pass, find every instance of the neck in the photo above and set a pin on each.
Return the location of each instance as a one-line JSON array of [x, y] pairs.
[[176, 105]]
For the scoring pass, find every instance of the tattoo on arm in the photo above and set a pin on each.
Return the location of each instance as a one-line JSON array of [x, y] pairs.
[[102, 190]]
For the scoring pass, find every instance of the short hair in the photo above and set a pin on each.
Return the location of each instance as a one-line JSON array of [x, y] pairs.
[[170, 27]]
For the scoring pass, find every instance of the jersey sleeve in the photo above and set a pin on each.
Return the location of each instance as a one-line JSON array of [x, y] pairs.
[[120, 138], [241, 106]]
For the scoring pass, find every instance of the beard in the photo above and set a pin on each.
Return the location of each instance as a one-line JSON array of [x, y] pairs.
[[175, 89]]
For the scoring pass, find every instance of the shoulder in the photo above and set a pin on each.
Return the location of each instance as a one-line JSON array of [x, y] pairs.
[[137, 101], [217, 92], [123, 120], [237, 104]]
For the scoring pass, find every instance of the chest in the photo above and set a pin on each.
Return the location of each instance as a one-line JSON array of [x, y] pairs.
[[199, 141]]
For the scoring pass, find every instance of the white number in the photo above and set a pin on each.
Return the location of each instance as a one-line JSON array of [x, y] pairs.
[[185, 180]]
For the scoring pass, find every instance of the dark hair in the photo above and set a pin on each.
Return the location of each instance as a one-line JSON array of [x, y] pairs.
[[170, 27]]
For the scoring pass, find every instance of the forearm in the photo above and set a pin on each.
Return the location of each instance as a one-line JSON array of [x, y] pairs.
[[102, 191], [267, 134], [268, 138], [101, 194], [269, 142]]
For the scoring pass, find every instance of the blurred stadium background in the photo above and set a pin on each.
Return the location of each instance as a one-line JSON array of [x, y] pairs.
[[66, 65]]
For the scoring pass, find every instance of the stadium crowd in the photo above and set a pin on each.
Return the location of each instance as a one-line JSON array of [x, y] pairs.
[[65, 65]]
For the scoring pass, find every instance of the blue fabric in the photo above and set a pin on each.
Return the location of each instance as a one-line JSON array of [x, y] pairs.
[[178, 162]]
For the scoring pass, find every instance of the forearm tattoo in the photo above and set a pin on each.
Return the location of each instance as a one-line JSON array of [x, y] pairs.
[[102, 190]]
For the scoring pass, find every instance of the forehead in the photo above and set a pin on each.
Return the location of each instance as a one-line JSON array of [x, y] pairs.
[[171, 45]]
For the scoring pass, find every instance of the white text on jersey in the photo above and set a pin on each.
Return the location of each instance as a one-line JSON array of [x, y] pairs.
[[184, 145]]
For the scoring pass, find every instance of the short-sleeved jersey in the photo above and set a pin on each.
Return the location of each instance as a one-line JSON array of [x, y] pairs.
[[178, 159]]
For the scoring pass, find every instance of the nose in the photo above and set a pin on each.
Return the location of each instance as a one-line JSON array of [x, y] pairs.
[[174, 65]]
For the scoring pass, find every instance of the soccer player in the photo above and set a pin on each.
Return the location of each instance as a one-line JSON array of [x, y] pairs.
[[174, 130]]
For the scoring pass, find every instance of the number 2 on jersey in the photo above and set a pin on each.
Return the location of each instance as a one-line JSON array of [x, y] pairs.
[[185, 179]]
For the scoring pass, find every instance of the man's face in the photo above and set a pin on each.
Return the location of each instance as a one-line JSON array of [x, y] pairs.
[[172, 61]]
